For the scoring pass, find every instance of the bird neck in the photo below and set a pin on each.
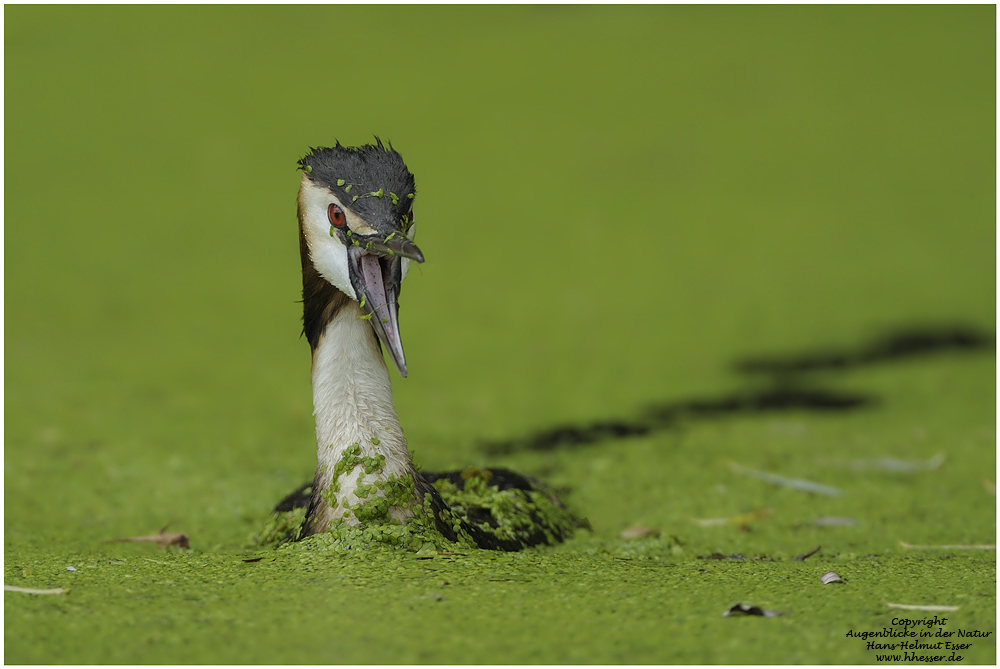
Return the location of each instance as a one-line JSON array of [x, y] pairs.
[[359, 441]]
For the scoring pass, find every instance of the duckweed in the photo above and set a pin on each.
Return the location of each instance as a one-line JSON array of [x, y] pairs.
[[281, 527], [513, 514], [511, 517], [349, 459]]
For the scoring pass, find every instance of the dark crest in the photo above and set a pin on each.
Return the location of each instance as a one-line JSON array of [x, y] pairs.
[[372, 180]]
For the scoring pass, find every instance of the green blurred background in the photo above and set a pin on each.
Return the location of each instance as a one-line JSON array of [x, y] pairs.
[[615, 204]]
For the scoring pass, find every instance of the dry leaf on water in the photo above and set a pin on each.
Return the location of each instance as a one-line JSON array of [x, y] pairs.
[[735, 520], [164, 539], [747, 610]]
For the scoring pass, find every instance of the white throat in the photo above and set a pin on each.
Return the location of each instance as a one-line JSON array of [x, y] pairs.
[[352, 401]]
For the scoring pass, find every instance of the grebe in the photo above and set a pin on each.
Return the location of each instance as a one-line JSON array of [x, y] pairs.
[[356, 232]]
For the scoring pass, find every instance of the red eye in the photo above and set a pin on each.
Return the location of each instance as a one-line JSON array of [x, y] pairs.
[[337, 217]]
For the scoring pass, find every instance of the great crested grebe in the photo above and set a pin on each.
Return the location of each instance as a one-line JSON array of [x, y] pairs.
[[356, 231]]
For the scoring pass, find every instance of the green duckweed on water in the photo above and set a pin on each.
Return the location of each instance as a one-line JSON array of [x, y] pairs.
[[808, 189]]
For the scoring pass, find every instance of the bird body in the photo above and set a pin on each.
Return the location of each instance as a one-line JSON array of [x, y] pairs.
[[351, 282], [356, 231]]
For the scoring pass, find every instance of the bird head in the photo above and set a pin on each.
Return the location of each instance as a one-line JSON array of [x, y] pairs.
[[356, 216]]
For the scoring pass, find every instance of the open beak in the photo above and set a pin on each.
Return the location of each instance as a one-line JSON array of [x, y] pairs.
[[375, 266]]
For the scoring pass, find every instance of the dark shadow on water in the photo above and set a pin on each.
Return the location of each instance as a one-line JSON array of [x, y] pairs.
[[896, 346], [791, 388], [666, 415]]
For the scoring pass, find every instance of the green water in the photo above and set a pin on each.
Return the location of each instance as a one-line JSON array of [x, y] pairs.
[[615, 205]]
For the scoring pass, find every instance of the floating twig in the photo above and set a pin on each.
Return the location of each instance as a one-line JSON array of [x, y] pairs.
[[638, 532], [802, 558], [35, 591], [720, 556], [922, 607], [784, 481], [894, 465], [950, 547]]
